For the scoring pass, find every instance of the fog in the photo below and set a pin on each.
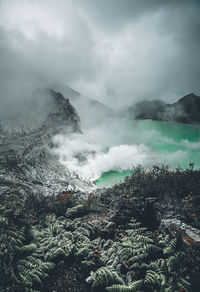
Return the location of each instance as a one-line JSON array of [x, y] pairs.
[[118, 145], [116, 52]]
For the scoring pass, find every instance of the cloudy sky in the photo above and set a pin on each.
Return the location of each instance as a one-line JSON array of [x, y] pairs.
[[115, 51]]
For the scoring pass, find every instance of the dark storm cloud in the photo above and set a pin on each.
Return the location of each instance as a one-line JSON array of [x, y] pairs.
[[115, 51]]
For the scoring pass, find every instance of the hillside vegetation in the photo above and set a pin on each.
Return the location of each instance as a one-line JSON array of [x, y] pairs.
[[107, 241]]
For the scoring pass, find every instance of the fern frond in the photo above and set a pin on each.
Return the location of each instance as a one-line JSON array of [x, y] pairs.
[[152, 278], [123, 288], [174, 260], [104, 277], [27, 249], [74, 212], [170, 248]]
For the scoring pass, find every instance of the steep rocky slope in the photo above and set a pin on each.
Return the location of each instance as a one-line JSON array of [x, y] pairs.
[[26, 161]]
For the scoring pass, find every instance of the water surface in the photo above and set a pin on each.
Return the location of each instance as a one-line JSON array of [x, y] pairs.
[[172, 143]]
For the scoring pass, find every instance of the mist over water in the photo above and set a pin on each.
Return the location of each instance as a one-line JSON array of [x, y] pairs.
[[108, 152], [117, 52]]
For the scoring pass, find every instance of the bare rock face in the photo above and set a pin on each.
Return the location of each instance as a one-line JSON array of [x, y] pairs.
[[189, 234], [27, 164], [62, 115]]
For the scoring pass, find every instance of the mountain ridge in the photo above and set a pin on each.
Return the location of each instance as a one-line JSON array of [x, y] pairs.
[[185, 110]]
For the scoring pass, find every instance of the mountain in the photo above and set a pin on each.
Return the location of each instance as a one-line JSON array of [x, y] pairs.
[[62, 115], [191, 106], [89, 110], [186, 110], [27, 163]]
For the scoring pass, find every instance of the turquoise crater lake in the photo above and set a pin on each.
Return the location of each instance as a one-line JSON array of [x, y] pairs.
[[177, 144]]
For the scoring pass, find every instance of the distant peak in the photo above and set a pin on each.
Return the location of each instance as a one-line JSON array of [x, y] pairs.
[[190, 95]]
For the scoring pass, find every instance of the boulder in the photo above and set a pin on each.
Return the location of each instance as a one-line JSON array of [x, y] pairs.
[[189, 234]]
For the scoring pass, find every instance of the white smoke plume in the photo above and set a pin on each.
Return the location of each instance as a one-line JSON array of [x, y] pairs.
[[101, 149]]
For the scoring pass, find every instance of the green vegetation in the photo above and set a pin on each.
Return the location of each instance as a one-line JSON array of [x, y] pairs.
[[95, 244], [176, 191]]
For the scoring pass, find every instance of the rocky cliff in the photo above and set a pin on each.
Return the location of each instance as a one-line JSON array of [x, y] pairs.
[[27, 164]]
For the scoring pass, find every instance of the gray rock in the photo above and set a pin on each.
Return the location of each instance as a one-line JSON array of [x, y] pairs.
[[27, 164], [189, 234]]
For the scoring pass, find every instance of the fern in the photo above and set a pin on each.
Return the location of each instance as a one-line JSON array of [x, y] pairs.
[[152, 278], [74, 212], [104, 277], [107, 229], [174, 260], [32, 270], [27, 249], [123, 288], [37, 251], [170, 248], [88, 263], [184, 283]]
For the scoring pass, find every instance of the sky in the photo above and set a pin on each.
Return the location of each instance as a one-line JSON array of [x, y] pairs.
[[114, 51]]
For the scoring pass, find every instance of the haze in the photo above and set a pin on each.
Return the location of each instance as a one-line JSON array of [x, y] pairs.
[[115, 51]]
